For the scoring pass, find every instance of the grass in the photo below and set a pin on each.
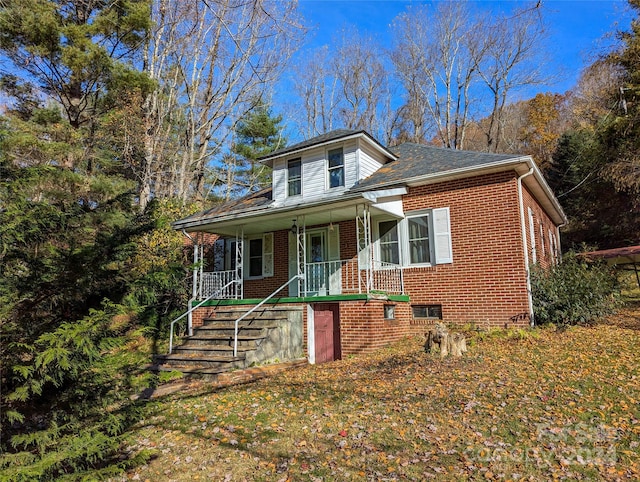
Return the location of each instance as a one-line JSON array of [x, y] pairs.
[[522, 406]]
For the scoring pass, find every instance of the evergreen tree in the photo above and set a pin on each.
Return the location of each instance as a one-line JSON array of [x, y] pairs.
[[621, 138], [259, 133], [577, 177], [78, 290]]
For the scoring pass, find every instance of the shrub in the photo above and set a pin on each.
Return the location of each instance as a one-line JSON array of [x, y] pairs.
[[573, 292]]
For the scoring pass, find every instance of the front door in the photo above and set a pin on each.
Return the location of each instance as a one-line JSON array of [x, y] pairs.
[[317, 268], [326, 318]]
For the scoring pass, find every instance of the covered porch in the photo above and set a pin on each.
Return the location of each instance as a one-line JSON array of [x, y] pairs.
[[317, 251]]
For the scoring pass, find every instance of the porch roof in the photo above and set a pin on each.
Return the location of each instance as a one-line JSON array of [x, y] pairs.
[[257, 213]]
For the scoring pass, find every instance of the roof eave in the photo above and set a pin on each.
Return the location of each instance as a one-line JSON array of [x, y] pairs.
[[520, 165], [268, 159], [269, 210]]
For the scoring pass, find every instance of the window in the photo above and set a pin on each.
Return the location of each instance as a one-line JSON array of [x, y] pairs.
[[419, 249], [225, 255], [255, 257], [389, 312], [336, 168], [428, 238], [389, 242], [294, 177], [259, 260], [427, 311]]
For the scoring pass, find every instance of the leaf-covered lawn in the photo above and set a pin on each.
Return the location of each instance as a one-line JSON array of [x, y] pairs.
[[520, 405]]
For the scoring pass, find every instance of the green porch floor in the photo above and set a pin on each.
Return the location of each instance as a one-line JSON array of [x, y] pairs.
[[307, 299]]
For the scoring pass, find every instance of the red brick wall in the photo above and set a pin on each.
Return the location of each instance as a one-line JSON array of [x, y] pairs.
[[486, 283], [363, 328]]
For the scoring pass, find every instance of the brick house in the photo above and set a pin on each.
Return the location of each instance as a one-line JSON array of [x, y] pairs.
[[370, 244]]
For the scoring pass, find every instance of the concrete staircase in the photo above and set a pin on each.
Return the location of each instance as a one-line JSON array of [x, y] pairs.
[[271, 333]]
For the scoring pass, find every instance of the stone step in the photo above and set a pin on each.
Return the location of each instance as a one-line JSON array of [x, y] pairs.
[[248, 321], [194, 371], [212, 350], [180, 360], [225, 330], [222, 337], [249, 325]]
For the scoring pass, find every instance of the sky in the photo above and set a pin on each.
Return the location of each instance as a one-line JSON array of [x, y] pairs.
[[578, 30]]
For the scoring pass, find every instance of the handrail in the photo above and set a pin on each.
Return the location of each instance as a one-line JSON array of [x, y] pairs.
[[191, 310], [235, 330]]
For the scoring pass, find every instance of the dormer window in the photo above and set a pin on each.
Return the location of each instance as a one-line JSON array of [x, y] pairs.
[[336, 168], [294, 177]]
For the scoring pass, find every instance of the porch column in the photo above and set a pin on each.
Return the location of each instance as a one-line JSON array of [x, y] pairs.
[[301, 255], [365, 259], [194, 289], [239, 292]]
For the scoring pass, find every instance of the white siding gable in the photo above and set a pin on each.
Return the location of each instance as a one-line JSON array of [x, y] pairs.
[[360, 161], [370, 161]]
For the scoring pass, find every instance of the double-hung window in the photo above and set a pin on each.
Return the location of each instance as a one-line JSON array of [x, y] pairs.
[[421, 238], [294, 177], [419, 243], [336, 168], [429, 237], [259, 262]]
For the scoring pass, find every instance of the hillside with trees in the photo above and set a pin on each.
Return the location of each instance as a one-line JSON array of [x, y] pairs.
[[120, 117]]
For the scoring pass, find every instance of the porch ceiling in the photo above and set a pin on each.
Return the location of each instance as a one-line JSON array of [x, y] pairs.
[[276, 219]]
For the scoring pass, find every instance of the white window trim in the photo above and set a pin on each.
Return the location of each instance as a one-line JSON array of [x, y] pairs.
[[403, 238], [286, 191], [326, 170], [377, 248], [532, 236], [247, 257], [406, 262]]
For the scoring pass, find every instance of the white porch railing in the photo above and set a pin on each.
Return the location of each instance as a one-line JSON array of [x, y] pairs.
[[321, 279], [221, 282], [344, 277], [387, 277]]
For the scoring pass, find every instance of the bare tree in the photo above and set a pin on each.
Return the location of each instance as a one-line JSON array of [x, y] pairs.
[[348, 87], [510, 60], [436, 55], [317, 87], [596, 95], [363, 81], [211, 59]]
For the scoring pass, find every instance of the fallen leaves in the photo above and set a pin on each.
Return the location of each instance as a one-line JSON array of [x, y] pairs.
[[550, 406]]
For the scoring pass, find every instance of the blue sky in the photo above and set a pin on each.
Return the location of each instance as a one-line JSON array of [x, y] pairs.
[[577, 29]]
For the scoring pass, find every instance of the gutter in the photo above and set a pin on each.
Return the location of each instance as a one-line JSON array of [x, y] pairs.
[[524, 243]]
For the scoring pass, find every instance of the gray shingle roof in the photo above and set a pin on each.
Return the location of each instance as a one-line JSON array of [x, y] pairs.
[[415, 160], [327, 137], [251, 201]]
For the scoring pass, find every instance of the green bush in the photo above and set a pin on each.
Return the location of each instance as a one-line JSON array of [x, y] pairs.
[[573, 292]]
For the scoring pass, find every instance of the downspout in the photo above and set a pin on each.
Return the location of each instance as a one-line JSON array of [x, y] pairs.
[[524, 243], [194, 290]]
